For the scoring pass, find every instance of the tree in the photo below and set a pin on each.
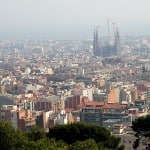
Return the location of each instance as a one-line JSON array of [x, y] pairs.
[[36, 133], [68, 137], [81, 132], [10, 137], [113, 142], [51, 144], [35, 139], [89, 144], [142, 128]]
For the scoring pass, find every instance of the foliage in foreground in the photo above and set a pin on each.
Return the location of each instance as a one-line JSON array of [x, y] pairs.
[[92, 138], [72, 133], [141, 126]]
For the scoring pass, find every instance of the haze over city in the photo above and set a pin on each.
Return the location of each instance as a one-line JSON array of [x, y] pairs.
[[74, 74], [71, 19]]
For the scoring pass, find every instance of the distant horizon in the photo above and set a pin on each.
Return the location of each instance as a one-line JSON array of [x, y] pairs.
[[57, 36], [37, 38], [71, 19]]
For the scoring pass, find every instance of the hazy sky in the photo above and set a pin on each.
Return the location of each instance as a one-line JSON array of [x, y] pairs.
[[71, 19]]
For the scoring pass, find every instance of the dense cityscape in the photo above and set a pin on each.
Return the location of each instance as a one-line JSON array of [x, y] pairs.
[[103, 81], [74, 75]]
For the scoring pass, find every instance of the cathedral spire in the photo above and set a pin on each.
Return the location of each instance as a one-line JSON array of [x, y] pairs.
[[117, 43]]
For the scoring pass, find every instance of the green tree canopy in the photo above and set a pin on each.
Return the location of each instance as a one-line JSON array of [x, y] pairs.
[[142, 128], [34, 139], [10, 138], [66, 137], [79, 132], [72, 133], [36, 133], [89, 144]]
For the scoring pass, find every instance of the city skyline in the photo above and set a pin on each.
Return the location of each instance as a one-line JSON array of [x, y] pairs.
[[71, 19]]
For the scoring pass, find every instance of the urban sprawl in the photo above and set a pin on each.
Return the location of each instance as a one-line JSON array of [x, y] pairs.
[[47, 83]]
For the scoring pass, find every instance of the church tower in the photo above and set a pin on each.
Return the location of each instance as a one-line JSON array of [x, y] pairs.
[[96, 47], [117, 43]]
